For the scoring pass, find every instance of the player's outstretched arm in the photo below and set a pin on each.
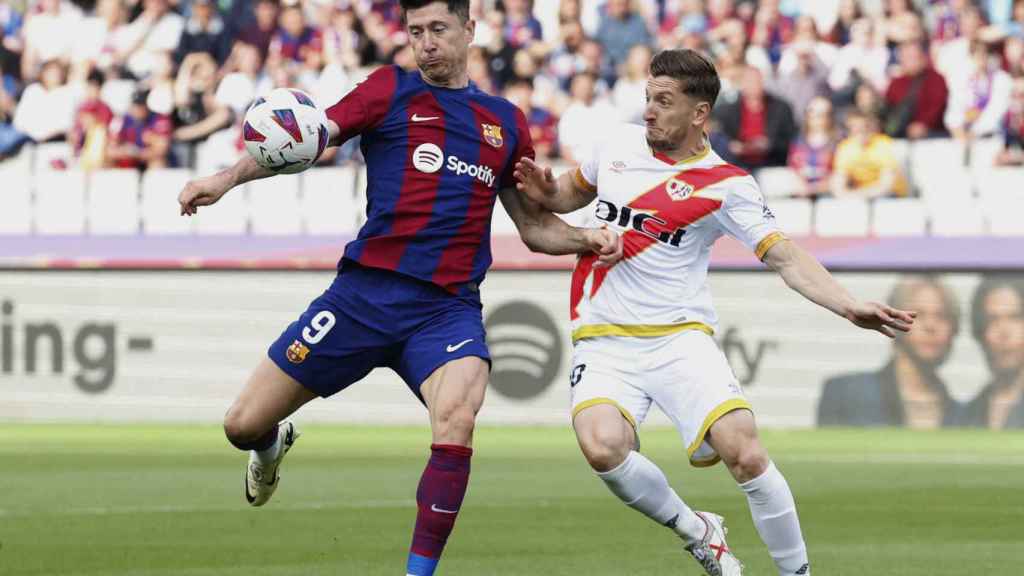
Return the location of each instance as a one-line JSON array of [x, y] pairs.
[[207, 190], [542, 231], [803, 273], [561, 195]]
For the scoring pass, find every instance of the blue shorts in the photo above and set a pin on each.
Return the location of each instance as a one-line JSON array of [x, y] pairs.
[[372, 318]]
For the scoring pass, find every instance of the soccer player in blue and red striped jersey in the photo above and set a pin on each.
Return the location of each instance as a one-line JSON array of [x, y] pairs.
[[438, 152]]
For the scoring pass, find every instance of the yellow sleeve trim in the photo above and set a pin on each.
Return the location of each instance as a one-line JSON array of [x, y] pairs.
[[596, 401], [637, 330], [765, 244], [719, 411], [581, 181]]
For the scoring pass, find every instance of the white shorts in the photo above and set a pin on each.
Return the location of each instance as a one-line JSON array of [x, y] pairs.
[[685, 374]]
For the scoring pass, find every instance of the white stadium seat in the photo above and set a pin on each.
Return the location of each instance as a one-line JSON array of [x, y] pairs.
[[778, 182], [60, 202], [274, 205], [899, 217], [1004, 213], [962, 217], [1000, 182], [160, 211], [328, 202], [945, 183], [229, 216], [794, 215], [841, 217], [113, 205], [501, 222], [16, 214], [983, 155]]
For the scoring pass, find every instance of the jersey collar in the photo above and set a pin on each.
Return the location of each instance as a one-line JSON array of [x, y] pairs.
[[695, 158]]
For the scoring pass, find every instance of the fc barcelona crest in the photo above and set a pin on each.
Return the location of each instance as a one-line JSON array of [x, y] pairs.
[[678, 190], [297, 352], [492, 134]]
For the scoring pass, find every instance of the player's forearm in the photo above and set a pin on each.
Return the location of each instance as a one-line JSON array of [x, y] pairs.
[[566, 197], [245, 170], [549, 234], [804, 274]]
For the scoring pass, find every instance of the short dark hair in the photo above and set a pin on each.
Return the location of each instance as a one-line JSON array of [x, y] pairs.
[[991, 283], [908, 286], [458, 7], [695, 72]]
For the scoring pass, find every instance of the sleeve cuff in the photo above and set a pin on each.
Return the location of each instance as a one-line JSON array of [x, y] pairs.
[[581, 181], [767, 242]]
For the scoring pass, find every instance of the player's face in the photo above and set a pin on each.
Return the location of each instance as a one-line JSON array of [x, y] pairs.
[[440, 42], [1004, 332], [932, 337], [670, 115]]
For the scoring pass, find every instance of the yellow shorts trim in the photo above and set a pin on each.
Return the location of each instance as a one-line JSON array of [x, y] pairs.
[[637, 330], [767, 242], [577, 175], [595, 401], [712, 417]]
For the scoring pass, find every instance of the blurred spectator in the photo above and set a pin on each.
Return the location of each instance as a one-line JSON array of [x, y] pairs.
[[622, 27], [583, 120], [869, 102], [261, 30], [156, 31], [49, 34], [811, 156], [864, 59], [543, 125], [805, 38], [244, 79], [631, 88], [46, 109], [566, 60], [11, 139], [1014, 26], [160, 85], [479, 73], [521, 28], [688, 20], [206, 32], [865, 164], [1013, 56], [10, 40], [806, 79], [849, 12], [294, 39], [197, 111], [953, 58], [88, 137], [945, 17], [908, 390], [979, 99], [345, 44], [103, 37], [1013, 128], [759, 126], [719, 11], [997, 323], [500, 54], [770, 29], [916, 98], [140, 139], [903, 23]]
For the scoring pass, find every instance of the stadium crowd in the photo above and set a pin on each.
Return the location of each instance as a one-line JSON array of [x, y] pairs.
[[824, 87]]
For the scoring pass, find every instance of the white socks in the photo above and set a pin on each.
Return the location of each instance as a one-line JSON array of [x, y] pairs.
[[267, 457], [642, 486], [774, 513]]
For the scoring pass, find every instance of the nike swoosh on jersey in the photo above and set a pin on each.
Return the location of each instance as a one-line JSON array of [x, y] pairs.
[[442, 510], [454, 347], [418, 118]]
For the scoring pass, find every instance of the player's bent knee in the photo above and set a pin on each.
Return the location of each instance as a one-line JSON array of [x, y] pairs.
[[239, 428], [749, 462], [455, 424], [604, 447]]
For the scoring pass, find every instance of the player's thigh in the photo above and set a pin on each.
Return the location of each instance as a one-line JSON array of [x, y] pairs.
[[694, 386], [734, 437], [454, 393], [269, 396]]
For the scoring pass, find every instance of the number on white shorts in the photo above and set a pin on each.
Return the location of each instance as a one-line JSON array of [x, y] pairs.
[[318, 327]]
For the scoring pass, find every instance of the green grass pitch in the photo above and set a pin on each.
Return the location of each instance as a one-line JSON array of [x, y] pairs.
[[154, 500]]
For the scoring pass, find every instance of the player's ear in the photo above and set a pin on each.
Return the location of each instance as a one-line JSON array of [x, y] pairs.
[[701, 113], [470, 29]]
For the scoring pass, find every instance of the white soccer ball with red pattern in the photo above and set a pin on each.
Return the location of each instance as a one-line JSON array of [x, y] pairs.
[[285, 131]]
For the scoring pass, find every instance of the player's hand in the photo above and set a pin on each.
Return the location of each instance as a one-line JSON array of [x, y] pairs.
[[606, 244], [884, 319], [201, 192], [536, 182]]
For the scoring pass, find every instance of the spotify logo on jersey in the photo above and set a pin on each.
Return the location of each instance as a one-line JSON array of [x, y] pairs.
[[526, 349], [428, 158]]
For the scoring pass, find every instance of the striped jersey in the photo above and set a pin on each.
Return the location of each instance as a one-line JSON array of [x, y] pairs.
[[669, 215], [435, 160]]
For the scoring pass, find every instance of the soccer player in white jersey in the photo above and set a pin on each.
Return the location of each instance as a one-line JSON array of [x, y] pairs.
[[642, 329]]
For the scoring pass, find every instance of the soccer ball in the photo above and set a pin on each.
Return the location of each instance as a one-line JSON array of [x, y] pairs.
[[285, 131]]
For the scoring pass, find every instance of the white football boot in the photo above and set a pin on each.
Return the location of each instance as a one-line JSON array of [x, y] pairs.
[[711, 551], [261, 480]]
